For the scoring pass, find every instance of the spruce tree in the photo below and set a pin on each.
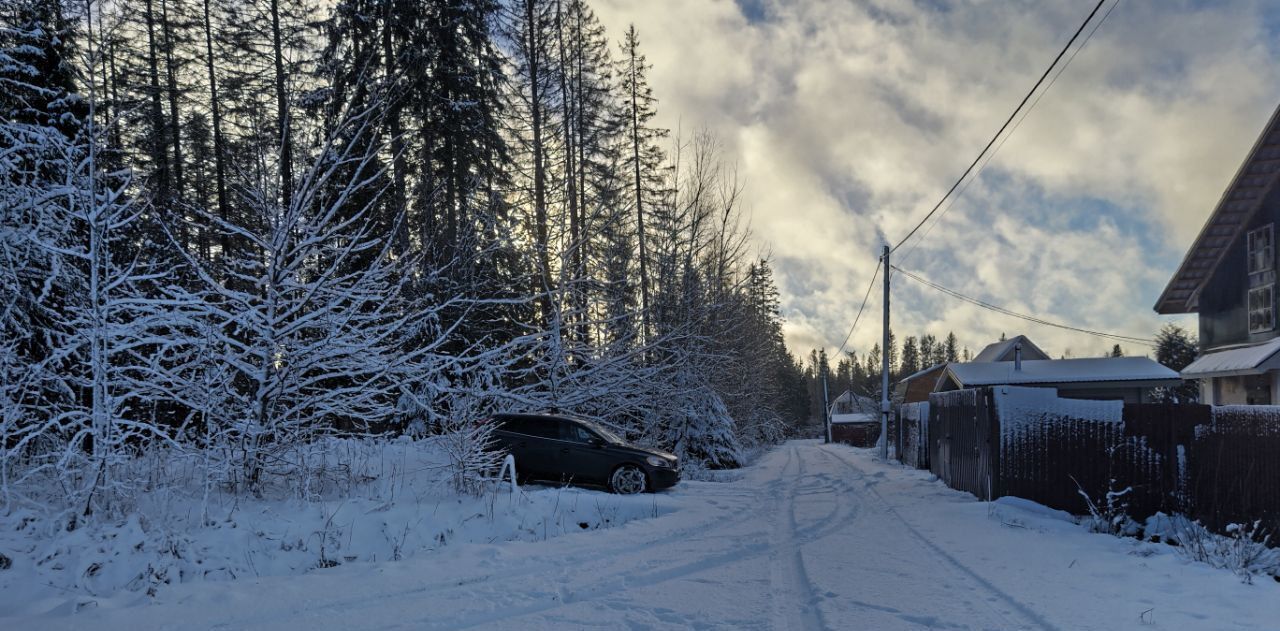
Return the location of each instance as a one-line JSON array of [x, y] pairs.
[[645, 156], [37, 72]]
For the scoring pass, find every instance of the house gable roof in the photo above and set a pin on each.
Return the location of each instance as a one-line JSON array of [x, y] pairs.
[[1003, 351], [1244, 195]]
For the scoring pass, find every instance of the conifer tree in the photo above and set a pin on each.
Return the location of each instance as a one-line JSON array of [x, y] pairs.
[[645, 157]]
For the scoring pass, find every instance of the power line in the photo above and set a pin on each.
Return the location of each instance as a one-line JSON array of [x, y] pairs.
[[1016, 125], [864, 306], [1006, 123], [986, 305]]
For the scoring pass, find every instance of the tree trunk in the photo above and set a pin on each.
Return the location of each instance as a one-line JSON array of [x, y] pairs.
[[172, 86], [159, 156], [639, 186], [398, 166], [282, 109], [568, 105], [539, 172], [219, 166]]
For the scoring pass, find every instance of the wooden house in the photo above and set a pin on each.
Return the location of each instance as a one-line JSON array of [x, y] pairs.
[[915, 388], [1228, 278]]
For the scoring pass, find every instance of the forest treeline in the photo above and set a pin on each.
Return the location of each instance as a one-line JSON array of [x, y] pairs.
[[860, 374], [231, 227]]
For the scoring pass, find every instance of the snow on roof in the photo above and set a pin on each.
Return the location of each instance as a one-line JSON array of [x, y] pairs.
[[1239, 360], [1045, 371], [921, 373], [857, 417], [1003, 350]]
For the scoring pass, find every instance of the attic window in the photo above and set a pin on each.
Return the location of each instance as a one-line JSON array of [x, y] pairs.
[[1261, 253], [1262, 313]]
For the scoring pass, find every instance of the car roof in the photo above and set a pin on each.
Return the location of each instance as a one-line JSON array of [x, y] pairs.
[[523, 415]]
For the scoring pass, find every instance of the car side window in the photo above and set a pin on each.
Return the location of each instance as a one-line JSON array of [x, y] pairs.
[[542, 427], [576, 433]]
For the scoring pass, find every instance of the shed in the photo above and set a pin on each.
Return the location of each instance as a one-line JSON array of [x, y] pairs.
[[860, 429], [915, 388]]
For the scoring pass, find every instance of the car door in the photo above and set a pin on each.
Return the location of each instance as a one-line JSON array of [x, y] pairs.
[[533, 441], [584, 455]]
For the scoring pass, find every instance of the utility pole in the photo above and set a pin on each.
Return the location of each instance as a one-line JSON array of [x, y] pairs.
[[884, 366], [826, 410]]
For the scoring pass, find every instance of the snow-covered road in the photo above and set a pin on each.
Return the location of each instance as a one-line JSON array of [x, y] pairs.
[[812, 537]]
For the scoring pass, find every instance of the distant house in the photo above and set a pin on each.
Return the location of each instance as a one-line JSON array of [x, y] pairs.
[[1228, 277], [915, 388], [855, 420], [1130, 379]]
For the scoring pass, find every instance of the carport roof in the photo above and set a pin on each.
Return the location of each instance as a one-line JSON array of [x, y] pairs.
[[1238, 360]]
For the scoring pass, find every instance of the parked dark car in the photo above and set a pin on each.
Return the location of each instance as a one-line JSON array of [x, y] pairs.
[[558, 448]]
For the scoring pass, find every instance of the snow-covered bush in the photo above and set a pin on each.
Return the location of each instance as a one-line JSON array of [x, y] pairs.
[[1111, 514], [468, 443], [1244, 550]]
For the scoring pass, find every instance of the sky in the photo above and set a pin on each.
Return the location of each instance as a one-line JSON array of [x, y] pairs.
[[849, 119]]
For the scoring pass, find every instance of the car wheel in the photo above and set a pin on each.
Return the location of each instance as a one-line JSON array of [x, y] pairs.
[[628, 480]]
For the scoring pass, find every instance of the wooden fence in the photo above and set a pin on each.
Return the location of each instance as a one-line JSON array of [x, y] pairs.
[[1220, 465]]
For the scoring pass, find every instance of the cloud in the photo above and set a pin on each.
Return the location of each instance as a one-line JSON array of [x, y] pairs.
[[850, 119]]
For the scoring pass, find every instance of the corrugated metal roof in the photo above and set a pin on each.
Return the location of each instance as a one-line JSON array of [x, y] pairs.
[[1049, 371], [920, 373]]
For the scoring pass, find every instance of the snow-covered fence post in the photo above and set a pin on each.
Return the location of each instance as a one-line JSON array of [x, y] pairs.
[[509, 469]]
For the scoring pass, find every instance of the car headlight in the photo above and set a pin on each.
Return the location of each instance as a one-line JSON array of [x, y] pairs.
[[655, 461]]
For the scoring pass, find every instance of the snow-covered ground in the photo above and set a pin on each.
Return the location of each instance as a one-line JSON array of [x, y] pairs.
[[366, 502], [812, 536]]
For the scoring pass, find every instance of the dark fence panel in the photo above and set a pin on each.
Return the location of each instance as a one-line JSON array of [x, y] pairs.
[[1066, 462], [1220, 465], [1168, 432], [1234, 468], [962, 451]]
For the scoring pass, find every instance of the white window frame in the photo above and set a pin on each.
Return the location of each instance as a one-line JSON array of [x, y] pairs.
[[1262, 316], [1261, 248]]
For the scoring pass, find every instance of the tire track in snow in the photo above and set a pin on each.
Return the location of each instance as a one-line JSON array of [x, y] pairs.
[[947, 560], [794, 598], [642, 548], [846, 509], [630, 579]]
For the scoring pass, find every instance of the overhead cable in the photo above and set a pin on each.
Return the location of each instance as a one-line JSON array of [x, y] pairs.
[[1005, 126], [1030, 318], [860, 309]]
